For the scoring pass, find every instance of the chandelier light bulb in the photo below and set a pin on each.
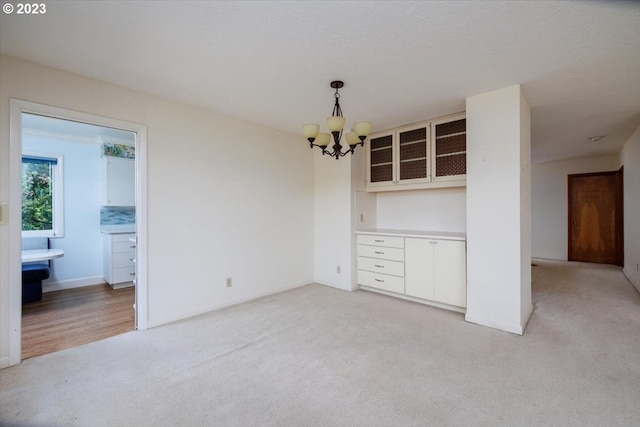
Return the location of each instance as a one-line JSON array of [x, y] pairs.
[[335, 123], [323, 139], [352, 138], [310, 131]]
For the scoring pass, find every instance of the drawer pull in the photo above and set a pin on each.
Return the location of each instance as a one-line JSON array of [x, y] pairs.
[[379, 280], [132, 247], [378, 253], [379, 241], [132, 274], [131, 259], [379, 266]]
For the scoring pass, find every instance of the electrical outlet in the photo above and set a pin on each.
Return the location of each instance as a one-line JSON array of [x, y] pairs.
[[361, 217], [338, 269], [228, 282]]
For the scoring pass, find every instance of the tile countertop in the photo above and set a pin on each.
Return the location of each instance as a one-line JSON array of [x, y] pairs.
[[445, 235], [118, 229]]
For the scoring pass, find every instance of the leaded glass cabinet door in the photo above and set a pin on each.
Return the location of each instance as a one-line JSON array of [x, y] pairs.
[[449, 148], [381, 156], [413, 154]]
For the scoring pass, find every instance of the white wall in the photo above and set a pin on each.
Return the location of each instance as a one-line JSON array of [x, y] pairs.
[[226, 198], [498, 214], [630, 158], [549, 204], [428, 210], [333, 221], [82, 241]]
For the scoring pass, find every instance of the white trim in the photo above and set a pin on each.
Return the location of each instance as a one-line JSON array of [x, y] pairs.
[[16, 108], [58, 135], [414, 299], [232, 303], [630, 279], [507, 327], [74, 283]]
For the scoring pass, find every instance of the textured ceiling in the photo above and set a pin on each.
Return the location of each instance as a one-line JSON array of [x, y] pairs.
[[271, 62]]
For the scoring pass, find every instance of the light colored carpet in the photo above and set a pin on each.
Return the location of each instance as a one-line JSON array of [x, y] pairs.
[[319, 356]]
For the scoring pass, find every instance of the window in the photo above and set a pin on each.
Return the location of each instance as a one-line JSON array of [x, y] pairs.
[[42, 202]]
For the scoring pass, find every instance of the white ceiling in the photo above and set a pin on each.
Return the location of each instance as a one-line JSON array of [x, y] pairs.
[[271, 62], [83, 131]]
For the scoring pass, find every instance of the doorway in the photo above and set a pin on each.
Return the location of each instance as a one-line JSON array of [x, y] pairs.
[[595, 217], [64, 190], [17, 108]]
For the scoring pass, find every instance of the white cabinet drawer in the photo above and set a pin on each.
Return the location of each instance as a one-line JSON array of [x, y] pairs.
[[123, 247], [122, 259], [393, 254], [123, 274], [381, 266], [376, 240], [122, 237], [381, 281]]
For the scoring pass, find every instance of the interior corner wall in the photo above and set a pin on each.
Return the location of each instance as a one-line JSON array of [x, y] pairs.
[[497, 210], [225, 198], [549, 201], [332, 221], [630, 159]]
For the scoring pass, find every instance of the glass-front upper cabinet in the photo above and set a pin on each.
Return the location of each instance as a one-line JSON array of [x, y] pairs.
[[413, 154], [449, 149], [430, 154]]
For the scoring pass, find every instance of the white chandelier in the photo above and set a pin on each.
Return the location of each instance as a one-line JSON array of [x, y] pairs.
[[335, 123]]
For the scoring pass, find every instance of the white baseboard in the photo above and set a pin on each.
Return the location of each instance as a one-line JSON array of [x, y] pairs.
[[334, 286], [507, 327], [75, 283], [629, 278], [413, 299], [152, 323], [4, 362]]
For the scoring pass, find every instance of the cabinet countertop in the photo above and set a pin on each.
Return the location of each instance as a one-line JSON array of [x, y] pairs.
[[118, 229], [445, 235]]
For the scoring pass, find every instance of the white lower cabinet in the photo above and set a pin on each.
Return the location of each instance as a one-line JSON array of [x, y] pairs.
[[119, 260], [436, 270], [427, 270]]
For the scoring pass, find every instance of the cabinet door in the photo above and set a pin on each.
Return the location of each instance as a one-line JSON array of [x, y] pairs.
[[449, 149], [120, 188], [418, 268], [413, 155], [450, 275], [381, 160]]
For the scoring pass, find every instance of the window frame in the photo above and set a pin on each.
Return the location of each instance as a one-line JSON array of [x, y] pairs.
[[57, 226]]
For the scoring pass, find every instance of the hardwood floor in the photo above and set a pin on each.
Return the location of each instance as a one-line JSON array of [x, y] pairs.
[[74, 317]]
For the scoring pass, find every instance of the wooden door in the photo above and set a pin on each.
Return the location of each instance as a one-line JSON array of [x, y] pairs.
[[595, 217]]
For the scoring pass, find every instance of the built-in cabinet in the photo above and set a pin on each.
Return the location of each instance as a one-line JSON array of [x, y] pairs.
[[424, 267], [119, 259], [435, 270], [119, 181], [430, 154]]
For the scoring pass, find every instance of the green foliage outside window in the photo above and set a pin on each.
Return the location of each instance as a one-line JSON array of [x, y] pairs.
[[37, 196]]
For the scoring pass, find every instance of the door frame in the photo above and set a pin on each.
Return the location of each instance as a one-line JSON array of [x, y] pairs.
[[619, 192], [16, 108]]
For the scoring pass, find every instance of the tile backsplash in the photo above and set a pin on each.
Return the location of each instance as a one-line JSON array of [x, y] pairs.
[[117, 215]]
